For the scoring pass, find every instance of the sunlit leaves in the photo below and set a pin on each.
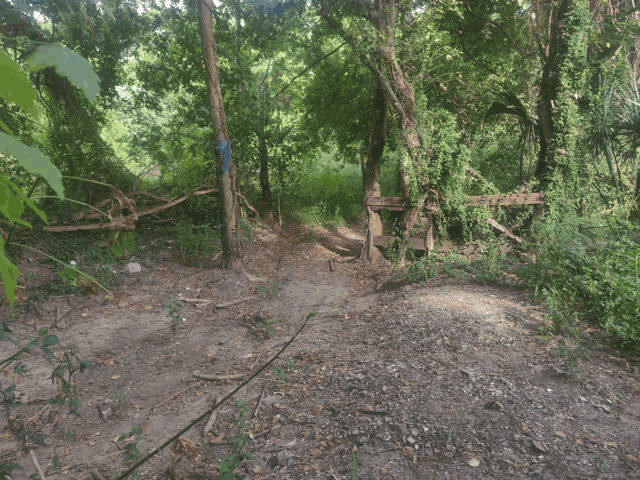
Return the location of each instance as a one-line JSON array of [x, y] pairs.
[[33, 160], [9, 274], [15, 86], [67, 63]]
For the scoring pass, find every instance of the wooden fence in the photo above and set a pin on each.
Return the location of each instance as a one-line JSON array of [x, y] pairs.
[[427, 243]]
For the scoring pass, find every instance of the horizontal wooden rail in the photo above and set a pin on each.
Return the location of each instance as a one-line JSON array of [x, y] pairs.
[[394, 203], [388, 203], [509, 199], [402, 203], [387, 240]]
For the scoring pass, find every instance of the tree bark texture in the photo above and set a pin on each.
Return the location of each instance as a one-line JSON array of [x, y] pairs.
[[406, 106], [267, 199], [226, 179], [377, 134]]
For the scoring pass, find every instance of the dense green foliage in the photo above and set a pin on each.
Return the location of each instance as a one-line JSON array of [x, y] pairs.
[[590, 270], [535, 95]]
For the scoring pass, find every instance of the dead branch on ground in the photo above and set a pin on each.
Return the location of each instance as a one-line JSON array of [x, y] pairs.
[[197, 420]]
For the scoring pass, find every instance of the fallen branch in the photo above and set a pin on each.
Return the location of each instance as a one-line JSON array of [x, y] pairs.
[[341, 259], [212, 418], [175, 395], [236, 301], [246, 202], [217, 378], [195, 300], [255, 362], [127, 222], [257, 410], [252, 278], [194, 422], [36, 464], [504, 230], [32, 419]]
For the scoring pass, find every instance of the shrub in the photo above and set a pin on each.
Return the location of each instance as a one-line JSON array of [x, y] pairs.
[[589, 270]]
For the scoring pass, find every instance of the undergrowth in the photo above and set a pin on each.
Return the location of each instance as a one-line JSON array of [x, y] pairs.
[[196, 243], [322, 191], [591, 272]]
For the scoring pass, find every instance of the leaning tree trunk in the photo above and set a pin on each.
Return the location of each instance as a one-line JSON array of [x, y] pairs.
[[225, 178], [385, 13], [405, 104]]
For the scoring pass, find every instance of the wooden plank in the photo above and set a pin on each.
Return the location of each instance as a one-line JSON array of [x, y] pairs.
[[387, 203], [385, 240], [511, 199], [497, 226], [395, 203]]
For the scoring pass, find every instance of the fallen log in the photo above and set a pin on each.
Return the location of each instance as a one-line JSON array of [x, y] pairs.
[[504, 230], [236, 301], [126, 222], [217, 378]]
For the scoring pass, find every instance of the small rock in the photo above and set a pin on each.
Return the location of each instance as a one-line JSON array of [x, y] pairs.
[[282, 459], [104, 407], [133, 267]]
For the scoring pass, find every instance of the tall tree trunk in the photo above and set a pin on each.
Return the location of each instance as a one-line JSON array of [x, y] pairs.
[[377, 135], [226, 178], [371, 172], [385, 13], [553, 54], [406, 105], [267, 199]]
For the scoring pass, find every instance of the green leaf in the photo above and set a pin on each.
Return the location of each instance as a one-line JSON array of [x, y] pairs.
[[34, 161], [10, 205], [9, 274], [122, 241], [15, 85], [70, 275], [13, 205], [67, 63]]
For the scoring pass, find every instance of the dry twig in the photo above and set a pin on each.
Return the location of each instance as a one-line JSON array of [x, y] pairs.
[[175, 395], [217, 378], [212, 418], [197, 420], [36, 464]]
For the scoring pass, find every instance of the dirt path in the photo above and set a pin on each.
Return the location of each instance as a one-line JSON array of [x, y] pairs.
[[451, 380]]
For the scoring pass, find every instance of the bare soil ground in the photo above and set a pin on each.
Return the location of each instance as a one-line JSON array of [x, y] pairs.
[[450, 380]]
